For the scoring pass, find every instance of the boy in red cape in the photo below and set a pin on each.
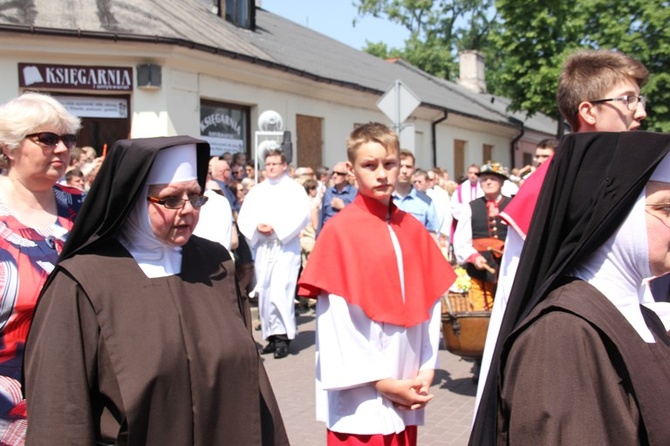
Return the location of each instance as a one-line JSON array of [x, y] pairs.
[[378, 276]]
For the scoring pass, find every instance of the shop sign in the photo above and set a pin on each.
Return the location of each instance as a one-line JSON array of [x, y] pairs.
[[95, 107], [219, 146], [223, 128], [75, 77]]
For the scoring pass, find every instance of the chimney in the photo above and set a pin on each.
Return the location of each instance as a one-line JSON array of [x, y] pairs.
[[241, 13], [472, 71]]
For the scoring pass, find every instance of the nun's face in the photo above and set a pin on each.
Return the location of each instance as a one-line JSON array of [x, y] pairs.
[[174, 226], [658, 226]]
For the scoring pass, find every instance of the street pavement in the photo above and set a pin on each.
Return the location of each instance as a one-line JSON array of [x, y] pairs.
[[448, 415]]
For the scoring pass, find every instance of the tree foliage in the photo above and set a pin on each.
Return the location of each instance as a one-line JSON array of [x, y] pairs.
[[530, 47], [536, 36], [639, 28], [438, 30], [525, 43]]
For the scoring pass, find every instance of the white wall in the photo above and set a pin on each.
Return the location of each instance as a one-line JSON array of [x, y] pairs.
[[188, 77]]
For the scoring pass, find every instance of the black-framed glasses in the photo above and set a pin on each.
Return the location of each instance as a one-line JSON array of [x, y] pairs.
[[630, 100], [174, 202], [50, 139]]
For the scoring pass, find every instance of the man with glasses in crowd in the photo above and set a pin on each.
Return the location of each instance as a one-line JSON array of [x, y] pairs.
[[237, 172], [337, 196], [238, 167], [220, 172]]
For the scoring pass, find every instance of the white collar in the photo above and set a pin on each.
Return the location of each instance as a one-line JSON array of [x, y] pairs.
[[155, 258], [618, 268]]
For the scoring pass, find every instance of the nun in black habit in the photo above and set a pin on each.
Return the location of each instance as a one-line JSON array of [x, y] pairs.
[[138, 337], [578, 359]]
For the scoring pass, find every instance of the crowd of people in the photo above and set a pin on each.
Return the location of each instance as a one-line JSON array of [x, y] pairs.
[[128, 279]]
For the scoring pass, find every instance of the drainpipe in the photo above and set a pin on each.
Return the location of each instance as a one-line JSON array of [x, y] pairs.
[[433, 129], [512, 146]]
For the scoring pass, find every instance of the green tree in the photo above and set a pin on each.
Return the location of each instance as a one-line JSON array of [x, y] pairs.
[[438, 30], [530, 45], [525, 43], [639, 28], [535, 36]]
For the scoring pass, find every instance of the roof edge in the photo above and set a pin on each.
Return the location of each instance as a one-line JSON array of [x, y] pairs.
[[128, 37]]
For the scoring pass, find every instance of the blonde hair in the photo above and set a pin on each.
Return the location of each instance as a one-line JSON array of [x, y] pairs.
[[24, 114], [372, 132]]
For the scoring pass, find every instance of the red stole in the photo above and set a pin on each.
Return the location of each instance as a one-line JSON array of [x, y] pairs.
[[354, 258], [519, 211]]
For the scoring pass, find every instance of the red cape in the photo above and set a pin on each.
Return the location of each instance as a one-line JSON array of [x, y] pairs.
[[519, 211], [354, 258]]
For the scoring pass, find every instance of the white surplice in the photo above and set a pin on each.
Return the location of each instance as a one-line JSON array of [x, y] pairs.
[[353, 351], [283, 204], [216, 220]]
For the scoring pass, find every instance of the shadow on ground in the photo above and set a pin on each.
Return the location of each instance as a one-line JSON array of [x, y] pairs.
[[460, 386], [302, 341]]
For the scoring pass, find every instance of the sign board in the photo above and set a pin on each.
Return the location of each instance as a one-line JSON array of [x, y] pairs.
[[219, 146], [95, 107], [75, 77], [223, 127], [398, 103]]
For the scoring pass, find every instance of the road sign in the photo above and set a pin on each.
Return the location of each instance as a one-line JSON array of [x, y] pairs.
[[398, 103]]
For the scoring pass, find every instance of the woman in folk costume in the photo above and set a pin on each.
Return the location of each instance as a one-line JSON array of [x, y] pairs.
[[579, 360], [139, 337], [378, 276]]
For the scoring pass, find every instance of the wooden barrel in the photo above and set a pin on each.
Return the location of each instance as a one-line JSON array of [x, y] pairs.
[[464, 331]]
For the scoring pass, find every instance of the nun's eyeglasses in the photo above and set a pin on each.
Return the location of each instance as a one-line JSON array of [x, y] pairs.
[[197, 201]]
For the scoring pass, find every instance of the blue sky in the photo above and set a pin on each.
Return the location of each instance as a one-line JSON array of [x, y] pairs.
[[334, 18]]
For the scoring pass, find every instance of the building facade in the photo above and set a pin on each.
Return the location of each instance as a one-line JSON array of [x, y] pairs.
[[178, 67]]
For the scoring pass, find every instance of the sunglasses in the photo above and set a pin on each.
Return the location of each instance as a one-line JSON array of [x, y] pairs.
[[51, 139]]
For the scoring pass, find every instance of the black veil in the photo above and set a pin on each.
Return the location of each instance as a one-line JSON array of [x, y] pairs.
[[117, 187], [590, 187]]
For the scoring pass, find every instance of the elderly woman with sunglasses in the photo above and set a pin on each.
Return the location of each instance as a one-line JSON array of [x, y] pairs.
[[139, 336], [36, 136]]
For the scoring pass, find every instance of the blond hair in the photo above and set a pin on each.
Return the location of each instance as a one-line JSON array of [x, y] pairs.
[[372, 132]]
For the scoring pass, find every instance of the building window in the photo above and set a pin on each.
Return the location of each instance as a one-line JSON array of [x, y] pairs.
[[527, 159], [225, 127], [487, 153], [459, 157]]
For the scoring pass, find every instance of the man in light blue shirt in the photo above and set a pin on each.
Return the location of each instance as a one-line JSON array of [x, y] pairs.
[[410, 200], [336, 197]]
